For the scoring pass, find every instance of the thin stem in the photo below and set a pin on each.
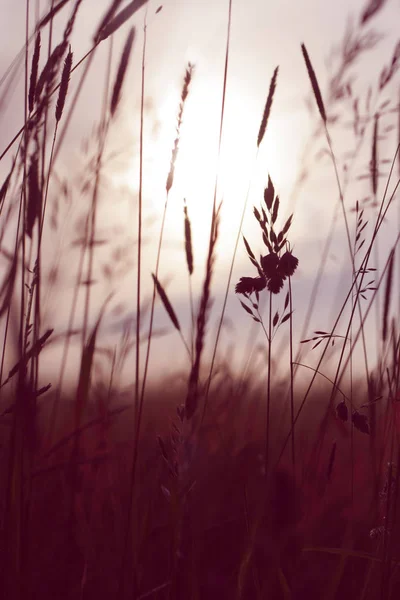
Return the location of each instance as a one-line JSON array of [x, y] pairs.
[[291, 378], [341, 195], [192, 317], [267, 437], [138, 399], [227, 49], [228, 285]]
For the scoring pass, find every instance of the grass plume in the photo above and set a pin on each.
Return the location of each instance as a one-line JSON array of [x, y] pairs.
[[314, 84], [121, 73], [202, 316], [34, 207], [174, 156], [188, 241], [388, 292], [34, 73], [62, 94], [268, 106]]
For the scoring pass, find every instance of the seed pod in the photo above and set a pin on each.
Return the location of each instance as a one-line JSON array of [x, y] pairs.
[[342, 411]]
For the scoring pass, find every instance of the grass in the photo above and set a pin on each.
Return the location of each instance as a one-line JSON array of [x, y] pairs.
[[281, 482]]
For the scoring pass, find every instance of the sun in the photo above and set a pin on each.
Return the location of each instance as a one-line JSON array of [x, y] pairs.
[[241, 178]]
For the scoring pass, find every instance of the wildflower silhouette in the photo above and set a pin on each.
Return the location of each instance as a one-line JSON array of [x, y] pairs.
[[273, 269]]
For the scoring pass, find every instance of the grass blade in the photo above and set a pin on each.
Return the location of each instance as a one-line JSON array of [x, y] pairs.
[[166, 302], [82, 393], [120, 19], [371, 9], [52, 13]]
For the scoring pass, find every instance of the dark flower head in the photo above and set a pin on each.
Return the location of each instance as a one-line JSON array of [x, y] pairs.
[[248, 285], [275, 283], [270, 264], [287, 264], [360, 422]]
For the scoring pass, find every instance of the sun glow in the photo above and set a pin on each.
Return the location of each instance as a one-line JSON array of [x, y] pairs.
[[240, 175]]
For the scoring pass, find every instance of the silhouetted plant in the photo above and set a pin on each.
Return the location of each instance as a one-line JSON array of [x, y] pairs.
[[274, 268]]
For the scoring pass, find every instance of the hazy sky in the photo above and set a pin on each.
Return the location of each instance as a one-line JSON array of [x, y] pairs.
[[264, 35]]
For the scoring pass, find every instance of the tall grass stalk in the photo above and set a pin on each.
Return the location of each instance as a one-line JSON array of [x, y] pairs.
[[268, 423], [129, 535], [17, 501], [261, 134], [86, 244], [321, 107], [322, 111], [169, 183], [292, 368], [214, 206]]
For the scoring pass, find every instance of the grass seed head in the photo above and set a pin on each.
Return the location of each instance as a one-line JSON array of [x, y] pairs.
[[268, 106], [34, 207], [64, 85], [34, 73], [122, 68], [314, 84]]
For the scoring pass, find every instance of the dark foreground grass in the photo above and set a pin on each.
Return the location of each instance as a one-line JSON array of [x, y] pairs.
[[239, 535]]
